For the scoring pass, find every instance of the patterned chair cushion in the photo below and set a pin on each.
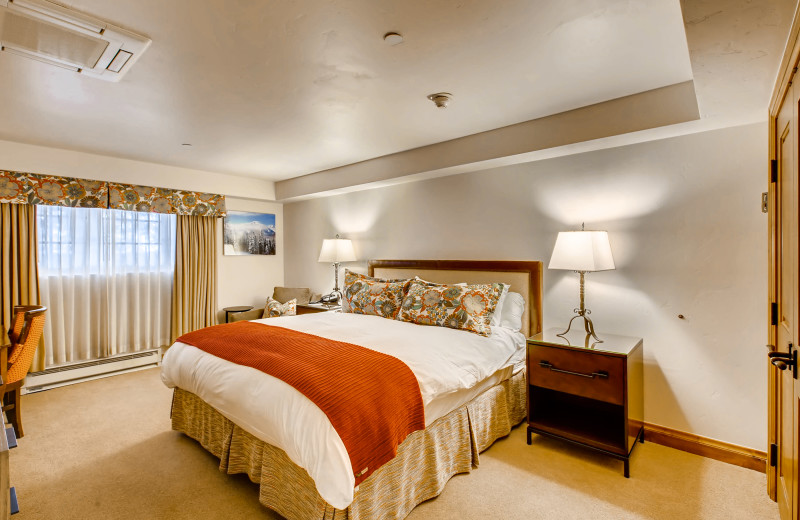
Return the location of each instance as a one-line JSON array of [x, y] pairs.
[[462, 306], [274, 308], [368, 295]]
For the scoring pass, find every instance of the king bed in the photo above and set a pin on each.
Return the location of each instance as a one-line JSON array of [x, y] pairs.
[[471, 387]]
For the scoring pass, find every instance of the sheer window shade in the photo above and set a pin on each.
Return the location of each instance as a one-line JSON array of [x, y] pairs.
[[106, 278]]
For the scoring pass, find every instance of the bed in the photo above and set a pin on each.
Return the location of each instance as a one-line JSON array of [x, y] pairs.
[[459, 425]]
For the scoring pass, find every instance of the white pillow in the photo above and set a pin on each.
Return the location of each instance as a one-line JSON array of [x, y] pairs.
[[498, 310], [512, 311]]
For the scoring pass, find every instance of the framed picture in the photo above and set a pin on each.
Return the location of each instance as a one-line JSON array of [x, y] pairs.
[[247, 233]]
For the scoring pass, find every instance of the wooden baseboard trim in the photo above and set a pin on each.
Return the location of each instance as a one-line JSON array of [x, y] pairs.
[[711, 448]]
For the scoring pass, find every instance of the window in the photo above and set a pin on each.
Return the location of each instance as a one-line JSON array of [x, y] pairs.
[[104, 241], [106, 279]]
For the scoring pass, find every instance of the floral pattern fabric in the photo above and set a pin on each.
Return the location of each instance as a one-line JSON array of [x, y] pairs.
[[275, 309], [139, 198], [462, 306], [163, 200], [52, 190], [375, 296], [196, 203]]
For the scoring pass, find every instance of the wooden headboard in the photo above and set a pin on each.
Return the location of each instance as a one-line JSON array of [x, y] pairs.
[[524, 278]]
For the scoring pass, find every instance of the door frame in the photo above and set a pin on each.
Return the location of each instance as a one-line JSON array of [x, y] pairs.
[[787, 69]]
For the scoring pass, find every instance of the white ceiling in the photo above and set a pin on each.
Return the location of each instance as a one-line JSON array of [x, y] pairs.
[[281, 88]]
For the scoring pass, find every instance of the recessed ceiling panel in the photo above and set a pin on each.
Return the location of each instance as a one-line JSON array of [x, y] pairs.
[[36, 36]]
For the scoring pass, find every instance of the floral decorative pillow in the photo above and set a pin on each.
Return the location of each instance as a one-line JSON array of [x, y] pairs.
[[274, 308], [367, 295], [465, 307]]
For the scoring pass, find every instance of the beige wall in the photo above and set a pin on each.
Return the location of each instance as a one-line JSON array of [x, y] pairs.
[[67, 163], [248, 280], [687, 234], [242, 280]]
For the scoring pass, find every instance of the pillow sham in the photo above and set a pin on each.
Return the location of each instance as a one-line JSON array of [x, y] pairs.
[[274, 308], [369, 295], [496, 315], [465, 307], [512, 312]]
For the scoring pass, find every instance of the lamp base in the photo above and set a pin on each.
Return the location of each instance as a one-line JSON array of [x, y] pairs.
[[336, 292], [581, 312], [587, 325]]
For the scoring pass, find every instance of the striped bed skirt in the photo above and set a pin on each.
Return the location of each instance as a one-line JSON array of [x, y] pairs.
[[425, 461]]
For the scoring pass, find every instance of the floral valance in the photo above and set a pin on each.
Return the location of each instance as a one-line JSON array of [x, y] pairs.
[[32, 188], [162, 200]]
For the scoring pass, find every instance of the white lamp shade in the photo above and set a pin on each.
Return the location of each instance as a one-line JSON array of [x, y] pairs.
[[335, 250], [582, 251]]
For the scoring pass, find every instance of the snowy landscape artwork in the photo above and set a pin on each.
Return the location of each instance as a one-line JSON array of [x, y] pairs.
[[248, 233]]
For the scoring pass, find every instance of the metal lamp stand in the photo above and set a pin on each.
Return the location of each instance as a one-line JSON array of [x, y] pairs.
[[581, 312], [336, 280]]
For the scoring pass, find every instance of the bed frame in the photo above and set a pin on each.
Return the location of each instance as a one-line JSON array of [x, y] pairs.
[[425, 461]]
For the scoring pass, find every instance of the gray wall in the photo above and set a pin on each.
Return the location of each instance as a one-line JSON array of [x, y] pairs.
[[687, 234]]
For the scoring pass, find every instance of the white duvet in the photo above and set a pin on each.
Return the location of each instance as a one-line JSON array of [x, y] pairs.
[[451, 367]]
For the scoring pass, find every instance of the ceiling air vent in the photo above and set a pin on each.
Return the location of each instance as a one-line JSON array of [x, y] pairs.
[[50, 33]]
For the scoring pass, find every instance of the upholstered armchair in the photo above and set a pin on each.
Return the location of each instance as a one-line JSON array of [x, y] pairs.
[[303, 295], [16, 358], [255, 314]]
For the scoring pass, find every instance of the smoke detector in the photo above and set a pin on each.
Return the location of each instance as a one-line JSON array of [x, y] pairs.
[[441, 99], [393, 38]]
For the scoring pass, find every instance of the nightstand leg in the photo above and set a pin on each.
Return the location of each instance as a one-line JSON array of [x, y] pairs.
[[641, 436], [529, 437], [627, 470]]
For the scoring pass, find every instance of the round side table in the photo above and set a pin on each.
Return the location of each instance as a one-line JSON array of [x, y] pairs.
[[237, 308]]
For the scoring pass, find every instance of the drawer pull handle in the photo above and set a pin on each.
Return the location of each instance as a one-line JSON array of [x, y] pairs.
[[601, 373]]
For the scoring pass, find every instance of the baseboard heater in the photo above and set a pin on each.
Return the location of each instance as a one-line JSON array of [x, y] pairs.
[[88, 370]]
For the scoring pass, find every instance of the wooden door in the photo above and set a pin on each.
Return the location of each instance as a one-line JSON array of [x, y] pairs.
[[786, 278]]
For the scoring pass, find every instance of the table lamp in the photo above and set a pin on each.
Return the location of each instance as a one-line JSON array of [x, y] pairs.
[[582, 252], [337, 250]]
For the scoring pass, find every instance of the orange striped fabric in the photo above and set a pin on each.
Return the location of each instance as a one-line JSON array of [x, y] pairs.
[[372, 399], [22, 356], [13, 336]]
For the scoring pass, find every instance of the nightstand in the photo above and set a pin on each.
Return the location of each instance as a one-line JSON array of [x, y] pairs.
[[309, 308], [587, 393]]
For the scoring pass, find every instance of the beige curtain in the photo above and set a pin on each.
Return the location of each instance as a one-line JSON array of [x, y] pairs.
[[20, 280], [194, 293]]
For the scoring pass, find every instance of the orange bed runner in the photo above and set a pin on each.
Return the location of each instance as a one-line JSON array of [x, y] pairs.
[[372, 399]]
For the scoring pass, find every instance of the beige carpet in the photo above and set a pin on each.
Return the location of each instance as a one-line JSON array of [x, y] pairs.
[[104, 450]]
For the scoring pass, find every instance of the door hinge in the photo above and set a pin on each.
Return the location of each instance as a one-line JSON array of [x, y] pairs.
[[765, 202], [773, 455], [773, 170], [774, 313]]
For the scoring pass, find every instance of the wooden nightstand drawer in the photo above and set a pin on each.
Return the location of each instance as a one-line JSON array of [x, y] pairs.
[[585, 374]]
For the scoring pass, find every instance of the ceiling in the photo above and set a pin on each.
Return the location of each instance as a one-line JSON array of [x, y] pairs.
[[278, 89]]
